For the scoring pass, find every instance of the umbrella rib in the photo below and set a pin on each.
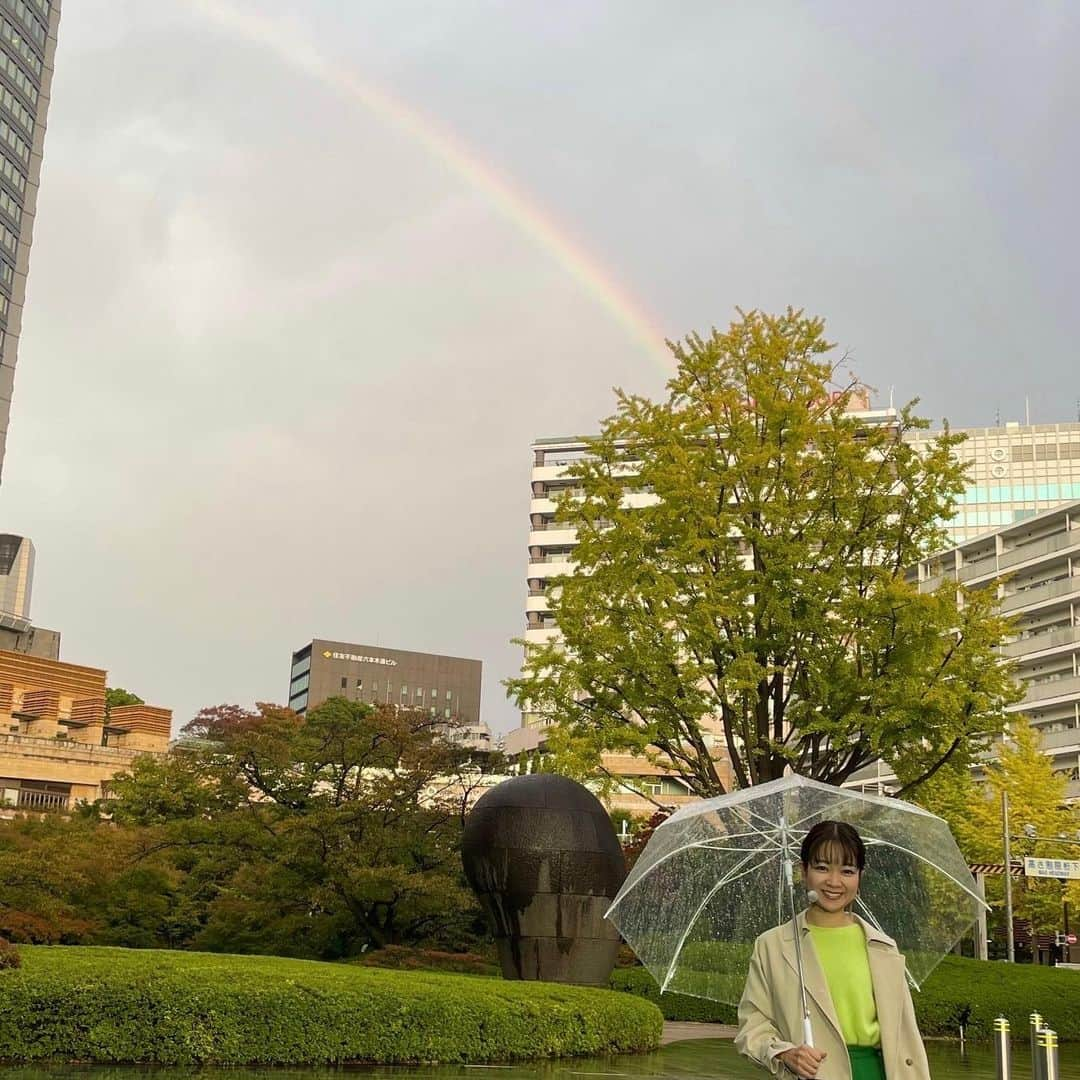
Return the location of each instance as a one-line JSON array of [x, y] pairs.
[[933, 865], [872, 919], [707, 845], [727, 879], [771, 825]]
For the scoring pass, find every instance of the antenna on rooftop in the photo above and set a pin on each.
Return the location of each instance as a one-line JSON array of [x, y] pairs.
[[1027, 411], [997, 417]]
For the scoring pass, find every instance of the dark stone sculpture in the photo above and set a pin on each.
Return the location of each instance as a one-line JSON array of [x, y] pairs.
[[541, 854]]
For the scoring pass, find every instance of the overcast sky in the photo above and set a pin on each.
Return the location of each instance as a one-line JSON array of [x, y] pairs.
[[283, 357]]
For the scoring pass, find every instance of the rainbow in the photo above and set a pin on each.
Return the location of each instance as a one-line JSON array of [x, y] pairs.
[[293, 51]]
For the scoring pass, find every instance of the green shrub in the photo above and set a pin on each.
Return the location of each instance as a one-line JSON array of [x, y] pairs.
[[120, 1005], [985, 991], [674, 1006], [974, 990]]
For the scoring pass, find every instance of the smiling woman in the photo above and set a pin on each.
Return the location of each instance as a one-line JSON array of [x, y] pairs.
[[531, 219], [854, 979]]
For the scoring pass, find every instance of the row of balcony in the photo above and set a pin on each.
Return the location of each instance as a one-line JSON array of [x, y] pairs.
[[1036, 595], [1069, 686], [1040, 642], [1062, 541]]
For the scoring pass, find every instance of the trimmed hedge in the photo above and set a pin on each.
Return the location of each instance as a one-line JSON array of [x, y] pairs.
[[970, 991], [173, 1008], [639, 982]]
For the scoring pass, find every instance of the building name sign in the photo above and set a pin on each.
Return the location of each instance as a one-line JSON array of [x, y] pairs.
[[384, 660], [1053, 868]]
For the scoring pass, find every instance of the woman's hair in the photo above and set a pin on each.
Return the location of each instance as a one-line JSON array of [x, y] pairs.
[[836, 839]]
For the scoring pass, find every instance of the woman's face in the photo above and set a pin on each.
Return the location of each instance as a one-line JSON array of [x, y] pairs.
[[833, 878]]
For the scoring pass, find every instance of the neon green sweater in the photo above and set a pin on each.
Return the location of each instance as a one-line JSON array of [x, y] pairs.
[[841, 951]]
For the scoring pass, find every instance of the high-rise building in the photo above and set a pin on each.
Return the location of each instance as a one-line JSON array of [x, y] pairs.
[[1015, 471], [16, 575], [17, 632], [445, 687], [1033, 566], [27, 47]]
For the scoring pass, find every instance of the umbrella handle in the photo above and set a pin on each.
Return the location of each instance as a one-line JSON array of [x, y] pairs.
[[807, 1031]]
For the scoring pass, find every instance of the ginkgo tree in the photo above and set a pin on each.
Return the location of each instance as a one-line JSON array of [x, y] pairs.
[[760, 610], [1042, 822]]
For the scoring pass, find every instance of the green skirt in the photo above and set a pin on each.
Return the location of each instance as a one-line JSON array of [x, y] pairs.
[[866, 1063]]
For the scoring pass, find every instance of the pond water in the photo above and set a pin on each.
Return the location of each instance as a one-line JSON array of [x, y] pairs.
[[702, 1059]]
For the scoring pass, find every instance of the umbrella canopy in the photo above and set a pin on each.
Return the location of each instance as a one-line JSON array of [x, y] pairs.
[[712, 878]]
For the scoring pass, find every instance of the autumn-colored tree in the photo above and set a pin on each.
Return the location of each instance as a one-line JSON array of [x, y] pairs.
[[315, 835], [1036, 799], [761, 599]]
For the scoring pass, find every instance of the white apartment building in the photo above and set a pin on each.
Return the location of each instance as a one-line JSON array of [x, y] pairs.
[[1014, 472], [1034, 567]]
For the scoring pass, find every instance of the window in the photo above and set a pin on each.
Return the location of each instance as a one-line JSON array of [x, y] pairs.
[[359, 684], [344, 682], [301, 666], [449, 694], [299, 684], [18, 110], [21, 46], [13, 139], [446, 713], [19, 78], [22, 9], [10, 172]]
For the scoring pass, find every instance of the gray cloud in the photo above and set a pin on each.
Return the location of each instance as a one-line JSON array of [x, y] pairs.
[[281, 366]]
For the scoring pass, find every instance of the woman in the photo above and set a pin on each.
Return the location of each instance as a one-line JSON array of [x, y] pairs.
[[861, 1011]]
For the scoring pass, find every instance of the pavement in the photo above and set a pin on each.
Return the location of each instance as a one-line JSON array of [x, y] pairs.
[[684, 1030]]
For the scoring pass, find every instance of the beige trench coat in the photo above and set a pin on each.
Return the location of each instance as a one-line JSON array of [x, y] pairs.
[[770, 1013]]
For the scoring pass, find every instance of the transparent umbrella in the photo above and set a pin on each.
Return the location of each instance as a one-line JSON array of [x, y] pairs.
[[715, 875]]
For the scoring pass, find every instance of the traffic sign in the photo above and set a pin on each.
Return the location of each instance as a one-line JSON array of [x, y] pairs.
[[1053, 868]]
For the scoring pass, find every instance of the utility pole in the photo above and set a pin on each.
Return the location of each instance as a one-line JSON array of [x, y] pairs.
[[1010, 952]]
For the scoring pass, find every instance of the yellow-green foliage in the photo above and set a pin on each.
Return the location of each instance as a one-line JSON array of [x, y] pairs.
[[120, 1005]]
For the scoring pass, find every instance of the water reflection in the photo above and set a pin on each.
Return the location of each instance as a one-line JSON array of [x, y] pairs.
[[705, 1059]]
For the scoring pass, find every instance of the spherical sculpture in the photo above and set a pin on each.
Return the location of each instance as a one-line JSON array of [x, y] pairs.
[[542, 856]]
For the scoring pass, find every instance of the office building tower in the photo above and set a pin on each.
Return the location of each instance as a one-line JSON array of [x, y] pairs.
[[445, 687], [27, 47], [1015, 471], [16, 575]]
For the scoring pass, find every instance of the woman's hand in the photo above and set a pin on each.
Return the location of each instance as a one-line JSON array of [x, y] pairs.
[[803, 1060]]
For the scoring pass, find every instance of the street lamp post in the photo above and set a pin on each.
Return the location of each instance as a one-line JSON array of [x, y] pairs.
[[1010, 948]]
